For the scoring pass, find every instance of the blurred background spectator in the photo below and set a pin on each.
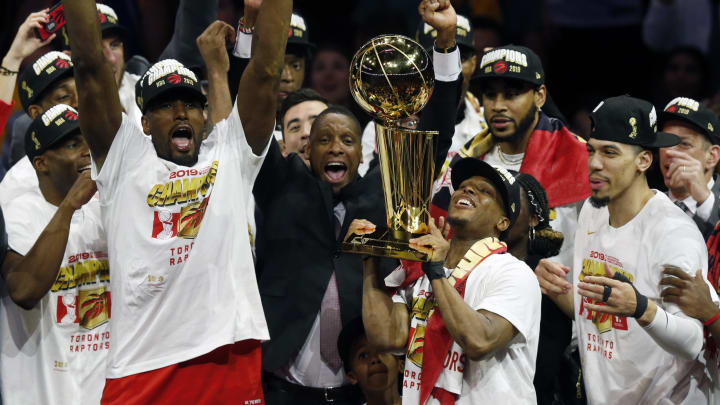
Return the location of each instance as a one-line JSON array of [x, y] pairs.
[[653, 49]]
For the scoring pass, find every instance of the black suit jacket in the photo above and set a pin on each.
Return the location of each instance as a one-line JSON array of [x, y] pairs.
[[299, 249]]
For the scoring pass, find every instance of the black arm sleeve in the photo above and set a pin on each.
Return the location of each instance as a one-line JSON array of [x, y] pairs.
[[272, 175], [439, 115], [237, 67]]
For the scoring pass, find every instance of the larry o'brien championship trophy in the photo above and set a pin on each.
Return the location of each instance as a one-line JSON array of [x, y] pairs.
[[391, 77]]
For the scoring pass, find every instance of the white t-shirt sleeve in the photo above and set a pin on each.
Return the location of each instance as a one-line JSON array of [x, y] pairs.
[[231, 132], [509, 292], [129, 146], [679, 246], [23, 230]]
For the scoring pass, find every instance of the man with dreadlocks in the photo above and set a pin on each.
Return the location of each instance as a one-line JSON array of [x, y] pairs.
[[531, 239]]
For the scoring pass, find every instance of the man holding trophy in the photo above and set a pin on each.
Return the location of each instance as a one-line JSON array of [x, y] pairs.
[[470, 324], [309, 287]]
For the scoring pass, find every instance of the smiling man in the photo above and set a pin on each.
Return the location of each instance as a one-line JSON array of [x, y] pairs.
[[297, 114], [634, 347], [168, 348], [309, 288], [470, 325], [688, 167], [56, 275]]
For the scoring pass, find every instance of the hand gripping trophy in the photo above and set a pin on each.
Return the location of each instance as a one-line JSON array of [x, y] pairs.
[[391, 77]]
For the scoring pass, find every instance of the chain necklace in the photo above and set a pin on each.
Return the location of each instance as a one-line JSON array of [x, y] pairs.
[[510, 160]]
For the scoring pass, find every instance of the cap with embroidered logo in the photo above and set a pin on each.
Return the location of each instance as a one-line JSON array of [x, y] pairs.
[[427, 34], [629, 120], [693, 112], [41, 75], [49, 128], [502, 179], [512, 62], [298, 38], [165, 76], [108, 23]]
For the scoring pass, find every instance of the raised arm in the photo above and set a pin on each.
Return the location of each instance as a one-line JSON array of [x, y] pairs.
[[28, 278], [256, 102], [24, 44], [387, 323], [98, 99], [211, 44]]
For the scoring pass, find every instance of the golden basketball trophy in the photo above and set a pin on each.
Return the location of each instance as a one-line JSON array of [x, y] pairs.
[[392, 77]]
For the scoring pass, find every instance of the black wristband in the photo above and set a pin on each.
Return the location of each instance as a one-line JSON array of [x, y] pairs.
[[641, 301], [445, 50], [433, 270]]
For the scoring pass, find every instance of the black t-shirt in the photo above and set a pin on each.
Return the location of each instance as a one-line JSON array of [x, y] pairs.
[[3, 239]]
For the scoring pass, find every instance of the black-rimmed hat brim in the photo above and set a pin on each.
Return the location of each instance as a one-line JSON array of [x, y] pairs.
[[471, 167], [663, 140], [180, 88]]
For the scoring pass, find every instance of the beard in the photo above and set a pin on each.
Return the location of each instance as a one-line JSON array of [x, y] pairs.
[[520, 129], [599, 202], [457, 222]]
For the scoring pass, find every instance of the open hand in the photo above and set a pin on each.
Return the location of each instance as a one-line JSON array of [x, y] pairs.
[[212, 44], [691, 294]]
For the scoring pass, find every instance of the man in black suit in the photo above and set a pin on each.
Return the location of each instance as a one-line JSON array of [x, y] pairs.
[[309, 288], [688, 167]]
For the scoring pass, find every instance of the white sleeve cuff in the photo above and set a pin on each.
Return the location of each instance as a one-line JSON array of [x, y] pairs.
[[704, 210], [447, 65], [243, 45], [676, 334]]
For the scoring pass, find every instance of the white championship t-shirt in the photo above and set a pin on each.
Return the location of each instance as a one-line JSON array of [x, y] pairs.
[[621, 363], [55, 353], [500, 284], [183, 279]]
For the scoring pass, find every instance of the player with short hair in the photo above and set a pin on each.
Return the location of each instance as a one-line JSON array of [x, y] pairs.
[[297, 113], [688, 168], [188, 319], [56, 297], [634, 347], [470, 323]]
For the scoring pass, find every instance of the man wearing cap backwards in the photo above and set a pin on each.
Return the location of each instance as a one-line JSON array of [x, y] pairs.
[[521, 137], [188, 318], [56, 295], [469, 120], [635, 348], [469, 325], [688, 167]]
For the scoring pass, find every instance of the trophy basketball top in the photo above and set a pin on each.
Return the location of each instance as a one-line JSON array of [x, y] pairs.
[[391, 77]]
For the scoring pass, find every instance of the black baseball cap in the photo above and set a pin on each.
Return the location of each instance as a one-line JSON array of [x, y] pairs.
[[42, 74], [349, 333], [108, 23], [165, 76], [693, 112], [502, 179], [298, 38], [426, 34], [49, 128], [512, 62], [629, 120]]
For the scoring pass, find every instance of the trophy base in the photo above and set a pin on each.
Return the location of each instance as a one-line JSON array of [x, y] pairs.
[[382, 243]]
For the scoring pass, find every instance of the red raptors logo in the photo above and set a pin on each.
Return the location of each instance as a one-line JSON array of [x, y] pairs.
[[672, 109], [70, 115], [61, 63], [102, 17], [500, 67], [174, 78]]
